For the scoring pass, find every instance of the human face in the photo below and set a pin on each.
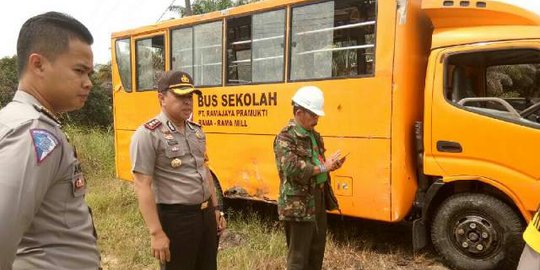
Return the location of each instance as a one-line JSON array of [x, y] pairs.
[[306, 119], [66, 79], [177, 107]]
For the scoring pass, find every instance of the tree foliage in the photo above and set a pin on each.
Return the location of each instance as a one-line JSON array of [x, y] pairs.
[[8, 79], [206, 6], [97, 110], [514, 80]]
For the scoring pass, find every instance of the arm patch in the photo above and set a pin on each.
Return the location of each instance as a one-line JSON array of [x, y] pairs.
[[44, 143]]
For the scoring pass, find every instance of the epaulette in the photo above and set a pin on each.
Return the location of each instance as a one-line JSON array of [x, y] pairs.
[[47, 113], [191, 124], [152, 124]]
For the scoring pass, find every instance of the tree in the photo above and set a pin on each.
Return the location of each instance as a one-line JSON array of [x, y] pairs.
[[187, 9], [98, 108], [8, 79], [206, 6]]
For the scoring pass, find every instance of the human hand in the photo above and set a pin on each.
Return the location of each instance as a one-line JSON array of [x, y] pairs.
[[160, 246], [332, 163], [221, 222]]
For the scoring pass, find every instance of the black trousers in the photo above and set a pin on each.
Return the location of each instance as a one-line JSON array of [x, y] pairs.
[[193, 237], [307, 240]]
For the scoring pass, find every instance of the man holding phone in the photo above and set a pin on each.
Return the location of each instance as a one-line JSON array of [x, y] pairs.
[[305, 190]]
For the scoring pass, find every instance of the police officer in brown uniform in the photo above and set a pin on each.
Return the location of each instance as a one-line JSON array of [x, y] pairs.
[[44, 220], [174, 186]]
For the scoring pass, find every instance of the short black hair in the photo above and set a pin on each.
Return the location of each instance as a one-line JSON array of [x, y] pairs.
[[48, 34]]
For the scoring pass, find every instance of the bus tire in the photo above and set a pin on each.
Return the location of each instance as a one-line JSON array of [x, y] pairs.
[[477, 231]]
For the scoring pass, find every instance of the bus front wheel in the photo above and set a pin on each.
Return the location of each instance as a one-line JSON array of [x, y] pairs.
[[477, 231]]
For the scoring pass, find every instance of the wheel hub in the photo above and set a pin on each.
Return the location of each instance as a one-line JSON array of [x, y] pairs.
[[475, 235]]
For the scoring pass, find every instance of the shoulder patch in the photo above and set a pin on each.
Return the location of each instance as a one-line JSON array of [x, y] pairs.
[[192, 125], [44, 143], [152, 124], [48, 113]]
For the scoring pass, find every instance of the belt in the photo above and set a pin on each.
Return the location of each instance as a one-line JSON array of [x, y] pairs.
[[184, 207]]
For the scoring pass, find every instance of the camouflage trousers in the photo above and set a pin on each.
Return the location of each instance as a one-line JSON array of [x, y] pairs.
[[307, 240]]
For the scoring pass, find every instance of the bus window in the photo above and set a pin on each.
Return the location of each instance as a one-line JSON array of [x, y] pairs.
[[255, 48], [150, 59], [268, 46], [333, 39], [207, 47], [182, 50], [239, 50], [123, 60], [502, 84]]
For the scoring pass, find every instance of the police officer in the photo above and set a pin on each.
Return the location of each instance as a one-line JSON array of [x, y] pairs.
[[168, 154], [44, 220], [305, 191], [530, 258]]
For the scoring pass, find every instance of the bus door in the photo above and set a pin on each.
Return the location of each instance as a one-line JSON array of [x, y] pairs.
[[486, 115]]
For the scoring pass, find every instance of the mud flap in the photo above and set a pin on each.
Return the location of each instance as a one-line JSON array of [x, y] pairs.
[[419, 234]]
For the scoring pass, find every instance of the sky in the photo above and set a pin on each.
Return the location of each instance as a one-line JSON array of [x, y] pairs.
[[103, 17]]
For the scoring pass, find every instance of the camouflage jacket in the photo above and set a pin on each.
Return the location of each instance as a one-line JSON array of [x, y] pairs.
[[293, 152]]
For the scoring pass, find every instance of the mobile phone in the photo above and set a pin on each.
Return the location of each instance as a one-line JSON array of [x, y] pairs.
[[343, 158]]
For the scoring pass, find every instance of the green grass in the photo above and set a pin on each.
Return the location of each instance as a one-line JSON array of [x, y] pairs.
[[254, 238]]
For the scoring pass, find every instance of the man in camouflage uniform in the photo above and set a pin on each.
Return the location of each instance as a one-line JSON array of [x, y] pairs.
[[305, 191]]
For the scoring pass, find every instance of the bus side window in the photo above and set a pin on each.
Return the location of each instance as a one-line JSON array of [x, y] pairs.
[[333, 39], [207, 50], [255, 48], [182, 50], [150, 60], [268, 46], [123, 60]]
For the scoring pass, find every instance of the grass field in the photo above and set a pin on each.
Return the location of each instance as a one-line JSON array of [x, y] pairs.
[[254, 239]]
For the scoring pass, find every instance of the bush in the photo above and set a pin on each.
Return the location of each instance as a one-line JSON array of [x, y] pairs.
[[98, 109], [8, 79]]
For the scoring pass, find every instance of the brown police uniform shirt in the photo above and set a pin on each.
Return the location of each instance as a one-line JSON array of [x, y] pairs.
[[176, 161], [44, 220]]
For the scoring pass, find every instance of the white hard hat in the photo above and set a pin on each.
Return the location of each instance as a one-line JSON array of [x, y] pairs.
[[310, 98]]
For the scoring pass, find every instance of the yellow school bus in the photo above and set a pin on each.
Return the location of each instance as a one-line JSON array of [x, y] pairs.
[[437, 102]]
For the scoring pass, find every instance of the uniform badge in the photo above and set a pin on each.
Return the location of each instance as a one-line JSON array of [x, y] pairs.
[[152, 124], [171, 126], [79, 183], [175, 149], [172, 142], [198, 134], [175, 163], [168, 136], [44, 143]]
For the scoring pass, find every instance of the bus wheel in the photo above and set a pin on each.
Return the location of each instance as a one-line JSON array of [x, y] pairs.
[[477, 231]]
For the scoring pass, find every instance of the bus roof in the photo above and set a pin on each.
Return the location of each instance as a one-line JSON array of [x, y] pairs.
[[454, 14], [216, 15], [464, 22], [458, 36]]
